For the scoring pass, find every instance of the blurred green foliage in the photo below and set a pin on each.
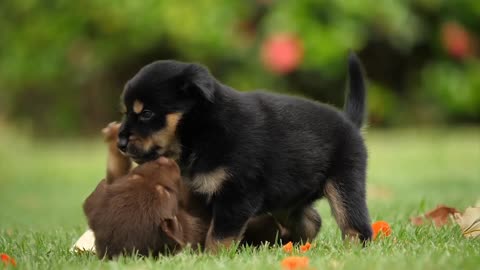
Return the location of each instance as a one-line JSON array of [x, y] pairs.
[[63, 63]]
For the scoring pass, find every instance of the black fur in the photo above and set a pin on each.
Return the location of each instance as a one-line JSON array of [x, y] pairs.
[[355, 103], [280, 151]]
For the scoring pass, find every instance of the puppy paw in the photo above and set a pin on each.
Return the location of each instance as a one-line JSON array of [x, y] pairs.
[[110, 132]]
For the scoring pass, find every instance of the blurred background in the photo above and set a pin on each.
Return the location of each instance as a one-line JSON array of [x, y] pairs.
[[63, 65]]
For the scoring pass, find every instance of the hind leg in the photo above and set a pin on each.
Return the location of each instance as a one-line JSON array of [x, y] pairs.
[[302, 224], [346, 196], [263, 229]]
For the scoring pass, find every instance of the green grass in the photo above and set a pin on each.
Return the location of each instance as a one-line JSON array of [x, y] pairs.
[[43, 184]]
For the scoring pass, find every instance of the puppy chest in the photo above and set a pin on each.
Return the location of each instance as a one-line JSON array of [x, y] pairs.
[[207, 183]]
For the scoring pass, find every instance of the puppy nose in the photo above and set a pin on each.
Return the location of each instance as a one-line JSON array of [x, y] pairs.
[[122, 144]]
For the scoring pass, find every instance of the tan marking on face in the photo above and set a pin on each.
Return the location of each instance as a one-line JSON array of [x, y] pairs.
[[137, 106], [209, 183], [146, 144], [336, 205], [166, 138]]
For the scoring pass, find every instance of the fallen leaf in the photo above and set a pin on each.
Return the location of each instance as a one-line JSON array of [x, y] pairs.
[[417, 221], [440, 216], [295, 263], [469, 221], [306, 247], [381, 227], [288, 247]]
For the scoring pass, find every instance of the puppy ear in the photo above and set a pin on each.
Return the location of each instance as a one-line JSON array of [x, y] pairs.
[[198, 82], [172, 228]]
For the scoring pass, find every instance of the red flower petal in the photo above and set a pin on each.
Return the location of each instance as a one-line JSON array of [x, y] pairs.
[[295, 263], [7, 259], [288, 247], [381, 227], [306, 247], [282, 53]]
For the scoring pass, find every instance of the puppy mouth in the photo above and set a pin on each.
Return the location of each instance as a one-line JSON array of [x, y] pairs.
[[152, 154], [146, 158], [143, 157]]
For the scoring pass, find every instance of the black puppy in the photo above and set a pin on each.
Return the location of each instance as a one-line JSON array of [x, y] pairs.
[[252, 153]]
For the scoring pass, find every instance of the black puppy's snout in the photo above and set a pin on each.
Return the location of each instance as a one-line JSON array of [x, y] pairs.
[[122, 143]]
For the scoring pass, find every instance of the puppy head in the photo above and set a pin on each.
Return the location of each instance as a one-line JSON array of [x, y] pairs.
[[154, 101], [161, 172], [137, 213]]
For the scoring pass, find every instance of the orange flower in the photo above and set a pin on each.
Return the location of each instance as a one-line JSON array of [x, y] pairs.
[[295, 263], [288, 247], [306, 247], [381, 227], [7, 259]]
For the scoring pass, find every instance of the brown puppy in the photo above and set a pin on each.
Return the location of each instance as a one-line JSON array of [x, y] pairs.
[[148, 210]]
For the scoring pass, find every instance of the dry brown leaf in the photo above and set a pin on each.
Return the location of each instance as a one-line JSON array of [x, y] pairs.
[[469, 221], [417, 221], [440, 216]]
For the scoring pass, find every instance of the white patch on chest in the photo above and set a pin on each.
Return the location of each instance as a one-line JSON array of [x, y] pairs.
[[209, 183]]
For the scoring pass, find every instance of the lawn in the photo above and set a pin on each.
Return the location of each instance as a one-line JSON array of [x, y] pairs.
[[43, 184]]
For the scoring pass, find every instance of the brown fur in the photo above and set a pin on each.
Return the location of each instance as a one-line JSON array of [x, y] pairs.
[[149, 210], [117, 164]]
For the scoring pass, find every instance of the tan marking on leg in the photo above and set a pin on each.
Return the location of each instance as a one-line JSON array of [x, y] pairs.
[[209, 183], [213, 245], [339, 212], [336, 205], [310, 223], [137, 106], [351, 234]]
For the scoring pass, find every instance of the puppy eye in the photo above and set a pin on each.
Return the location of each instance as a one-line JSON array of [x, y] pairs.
[[146, 115]]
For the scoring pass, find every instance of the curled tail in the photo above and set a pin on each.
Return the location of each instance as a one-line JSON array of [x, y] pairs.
[[355, 101]]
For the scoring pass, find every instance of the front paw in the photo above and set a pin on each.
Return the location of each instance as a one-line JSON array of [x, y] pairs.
[[214, 244], [110, 132]]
